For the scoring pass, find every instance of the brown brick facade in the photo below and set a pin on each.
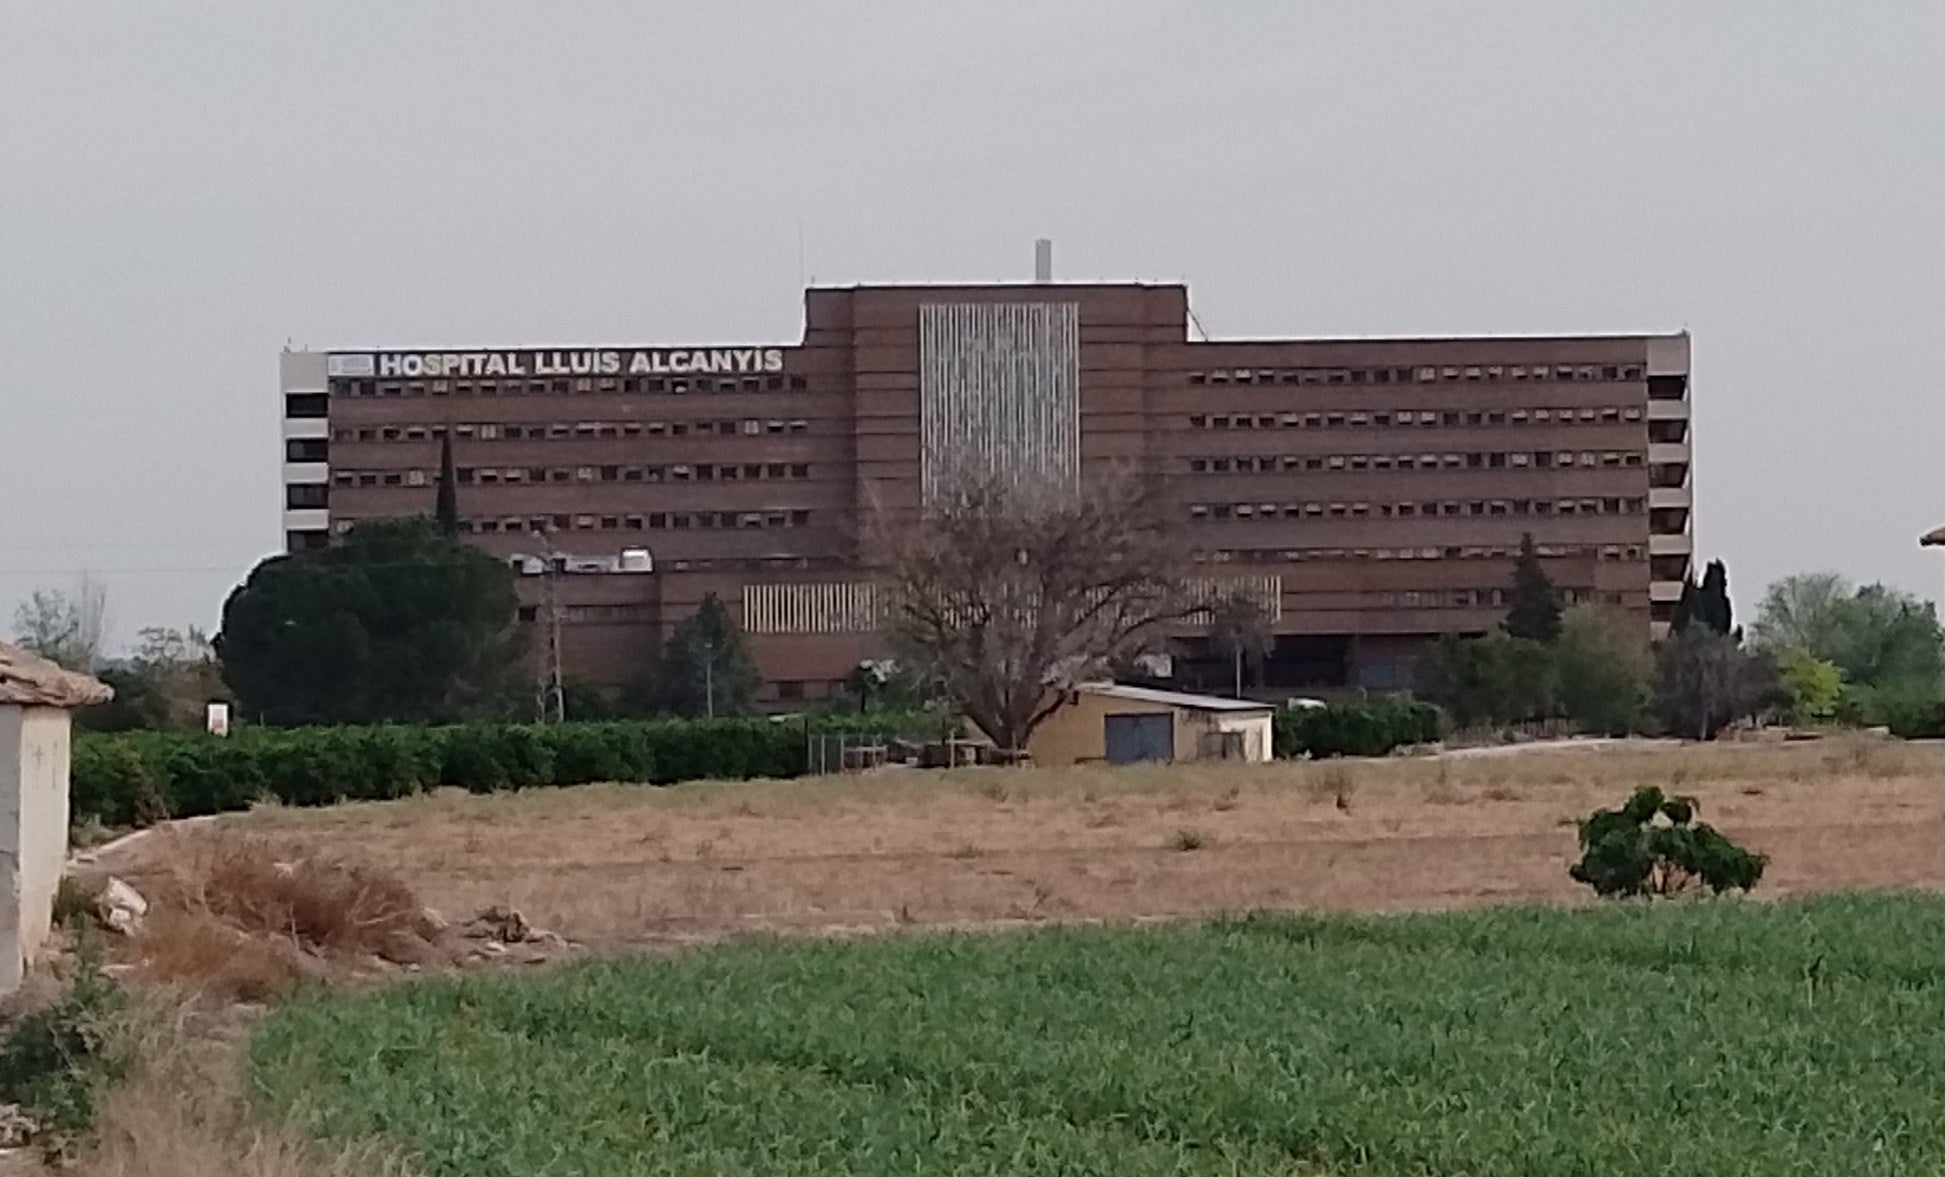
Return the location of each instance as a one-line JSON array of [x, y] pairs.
[[1375, 489]]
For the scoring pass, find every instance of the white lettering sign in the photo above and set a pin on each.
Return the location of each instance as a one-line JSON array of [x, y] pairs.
[[652, 361]]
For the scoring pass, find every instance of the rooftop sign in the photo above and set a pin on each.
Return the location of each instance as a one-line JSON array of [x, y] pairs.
[[652, 361]]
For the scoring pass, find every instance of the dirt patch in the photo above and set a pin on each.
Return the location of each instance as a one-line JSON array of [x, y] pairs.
[[620, 865]]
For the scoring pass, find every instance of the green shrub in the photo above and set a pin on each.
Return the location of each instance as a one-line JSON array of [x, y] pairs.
[[1652, 845], [54, 1062], [588, 752], [1357, 729], [114, 783], [134, 778], [1911, 710]]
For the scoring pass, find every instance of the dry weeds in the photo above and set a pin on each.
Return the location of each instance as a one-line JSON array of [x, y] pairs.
[[621, 865], [197, 950], [320, 904], [182, 1112]]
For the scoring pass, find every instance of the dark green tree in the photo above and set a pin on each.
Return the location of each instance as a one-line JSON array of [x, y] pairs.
[[1653, 845], [1706, 604], [1535, 610], [1712, 606], [1495, 679], [1605, 669], [706, 667], [394, 623], [446, 507]]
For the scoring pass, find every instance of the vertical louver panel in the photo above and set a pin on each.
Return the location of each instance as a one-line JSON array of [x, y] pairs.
[[847, 607], [999, 393]]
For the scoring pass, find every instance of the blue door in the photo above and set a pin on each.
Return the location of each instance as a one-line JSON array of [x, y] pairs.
[[1133, 739]]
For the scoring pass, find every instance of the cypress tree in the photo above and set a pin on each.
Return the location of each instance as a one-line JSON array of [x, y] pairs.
[[1535, 610], [446, 507], [1712, 599]]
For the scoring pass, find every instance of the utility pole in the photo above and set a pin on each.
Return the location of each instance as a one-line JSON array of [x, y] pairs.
[[709, 676]]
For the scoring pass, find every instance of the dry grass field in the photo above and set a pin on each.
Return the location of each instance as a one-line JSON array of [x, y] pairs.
[[618, 865]]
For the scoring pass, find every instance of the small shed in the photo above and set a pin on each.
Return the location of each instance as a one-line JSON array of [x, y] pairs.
[[1131, 725], [35, 699]]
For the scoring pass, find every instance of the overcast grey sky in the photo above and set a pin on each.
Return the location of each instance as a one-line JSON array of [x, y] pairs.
[[185, 185]]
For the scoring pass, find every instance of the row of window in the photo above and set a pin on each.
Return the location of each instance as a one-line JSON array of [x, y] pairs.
[[1491, 460], [514, 475], [561, 385], [653, 521], [1421, 374], [581, 430], [1440, 418], [1628, 552], [1445, 508], [1478, 598]]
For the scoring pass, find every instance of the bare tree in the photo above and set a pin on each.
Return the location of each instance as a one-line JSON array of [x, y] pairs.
[[1240, 626], [1013, 595], [68, 628]]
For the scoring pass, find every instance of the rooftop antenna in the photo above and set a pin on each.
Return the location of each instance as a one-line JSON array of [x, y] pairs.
[[1043, 261]]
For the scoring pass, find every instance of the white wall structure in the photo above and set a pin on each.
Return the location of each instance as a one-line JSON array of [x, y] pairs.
[[35, 698]]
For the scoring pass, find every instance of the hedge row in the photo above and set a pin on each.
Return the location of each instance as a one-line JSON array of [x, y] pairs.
[[1357, 729], [134, 778]]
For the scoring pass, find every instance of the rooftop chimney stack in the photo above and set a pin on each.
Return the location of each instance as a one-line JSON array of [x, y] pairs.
[[1043, 260]]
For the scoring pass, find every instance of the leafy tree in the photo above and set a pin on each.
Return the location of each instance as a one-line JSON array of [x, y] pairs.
[[67, 628], [1239, 626], [1653, 845], [446, 505], [1802, 611], [1535, 610], [1605, 669], [1705, 680], [1010, 593], [1815, 686], [1886, 636], [165, 683], [1494, 679], [1877, 636], [706, 667], [395, 623]]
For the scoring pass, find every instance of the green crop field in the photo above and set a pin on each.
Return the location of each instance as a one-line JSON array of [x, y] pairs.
[[1710, 1037]]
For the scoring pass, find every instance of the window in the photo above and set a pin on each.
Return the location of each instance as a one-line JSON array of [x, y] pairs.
[[306, 449], [307, 404], [306, 495]]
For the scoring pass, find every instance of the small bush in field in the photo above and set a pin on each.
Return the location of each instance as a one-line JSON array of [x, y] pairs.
[[1186, 840], [1652, 845]]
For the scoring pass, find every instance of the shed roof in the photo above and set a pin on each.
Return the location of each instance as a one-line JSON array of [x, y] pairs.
[[29, 680], [1180, 699]]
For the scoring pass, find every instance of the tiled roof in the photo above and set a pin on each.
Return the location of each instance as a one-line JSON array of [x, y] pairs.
[[28, 680]]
